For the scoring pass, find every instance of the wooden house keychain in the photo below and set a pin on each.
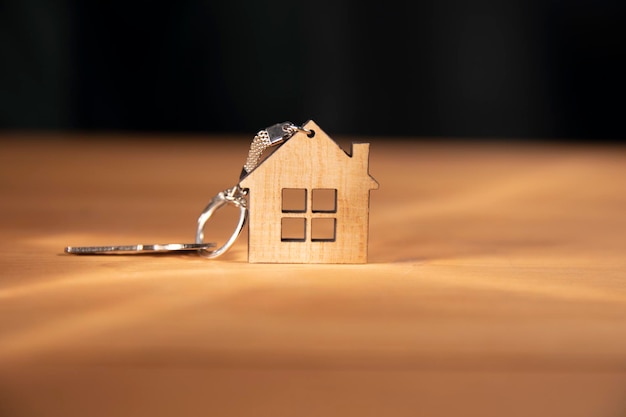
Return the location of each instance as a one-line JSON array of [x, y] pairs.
[[308, 202]]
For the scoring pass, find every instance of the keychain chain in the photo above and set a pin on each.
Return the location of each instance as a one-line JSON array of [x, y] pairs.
[[235, 196], [259, 144]]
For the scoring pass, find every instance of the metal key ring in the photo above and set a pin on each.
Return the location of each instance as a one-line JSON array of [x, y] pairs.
[[234, 196]]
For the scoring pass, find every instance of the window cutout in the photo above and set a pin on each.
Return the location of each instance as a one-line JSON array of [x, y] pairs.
[[293, 229], [324, 200], [294, 200], [323, 229]]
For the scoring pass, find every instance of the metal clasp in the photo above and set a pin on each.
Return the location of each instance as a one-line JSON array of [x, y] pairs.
[[235, 196], [280, 132]]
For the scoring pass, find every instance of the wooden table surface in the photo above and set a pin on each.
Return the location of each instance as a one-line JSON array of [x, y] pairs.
[[496, 287]]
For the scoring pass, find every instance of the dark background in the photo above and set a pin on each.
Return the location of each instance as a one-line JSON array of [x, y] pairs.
[[451, 68]]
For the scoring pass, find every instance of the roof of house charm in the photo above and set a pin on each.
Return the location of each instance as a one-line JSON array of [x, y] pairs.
[[309, 202]]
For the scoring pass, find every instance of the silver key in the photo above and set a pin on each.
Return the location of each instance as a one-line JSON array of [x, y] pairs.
[[125, 249]]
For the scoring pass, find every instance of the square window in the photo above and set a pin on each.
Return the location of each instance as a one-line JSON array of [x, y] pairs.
[[293, 229], [324, 200], [323, 229], [294, 200]]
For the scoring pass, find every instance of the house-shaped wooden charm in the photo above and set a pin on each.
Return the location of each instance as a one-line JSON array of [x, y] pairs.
[[309, 202]]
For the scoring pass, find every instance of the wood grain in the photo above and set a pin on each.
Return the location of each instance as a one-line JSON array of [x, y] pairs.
[[310, 164], [496, 285]]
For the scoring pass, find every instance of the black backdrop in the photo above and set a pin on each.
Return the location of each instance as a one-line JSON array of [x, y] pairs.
[[479, 68]]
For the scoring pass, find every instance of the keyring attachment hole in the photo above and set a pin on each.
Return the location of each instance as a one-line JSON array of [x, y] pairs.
[[311, 133]]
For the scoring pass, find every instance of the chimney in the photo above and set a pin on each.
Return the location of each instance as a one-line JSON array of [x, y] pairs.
[[361, 152], [360, 156]]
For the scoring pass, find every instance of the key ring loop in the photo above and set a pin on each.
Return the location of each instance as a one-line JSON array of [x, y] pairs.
[[234, 196]]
